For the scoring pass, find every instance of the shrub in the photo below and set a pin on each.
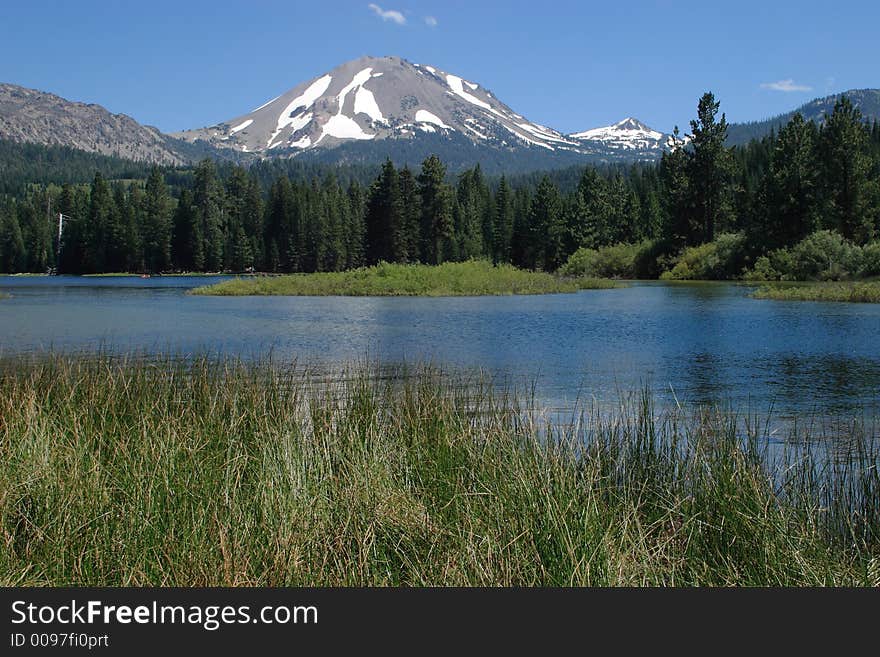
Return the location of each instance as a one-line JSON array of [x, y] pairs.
[[617, 261], [719, 260], [822, 256], [826, 256], [870, 260]]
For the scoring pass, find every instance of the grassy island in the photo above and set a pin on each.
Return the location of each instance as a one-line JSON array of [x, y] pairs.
[[474, 278], [118, 472], [852, 292]]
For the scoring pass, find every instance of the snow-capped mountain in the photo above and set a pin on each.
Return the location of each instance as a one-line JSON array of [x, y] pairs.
[[627, 136], [371, 99]]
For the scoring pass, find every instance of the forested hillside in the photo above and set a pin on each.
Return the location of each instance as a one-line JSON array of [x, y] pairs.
[[706, 203]]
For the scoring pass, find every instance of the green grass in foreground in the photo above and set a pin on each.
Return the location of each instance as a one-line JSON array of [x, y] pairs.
[[474, 278], [119, 472], [853, 292]]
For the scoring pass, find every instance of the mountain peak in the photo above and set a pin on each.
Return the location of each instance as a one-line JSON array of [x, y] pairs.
[[375, 98], [629, 136], [630, 123]]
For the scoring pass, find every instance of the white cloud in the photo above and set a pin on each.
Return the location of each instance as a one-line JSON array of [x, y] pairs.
[[787, 86], [430, 21], [388, 14]]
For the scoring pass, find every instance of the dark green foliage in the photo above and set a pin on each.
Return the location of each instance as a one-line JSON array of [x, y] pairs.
[[866, 100], [710, 167], [437, 221], [843, 148], [156, 225], [300, 216], [12, 252], [208, 204], [387, 236], [789, 197]]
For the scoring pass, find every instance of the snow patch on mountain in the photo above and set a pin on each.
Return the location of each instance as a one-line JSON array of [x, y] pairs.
[[424, 116], [365, 102], [306, 100], [343, 127], [455, 83], [241, 126]]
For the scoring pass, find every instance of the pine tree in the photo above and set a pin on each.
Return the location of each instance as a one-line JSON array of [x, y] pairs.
[[843, 149], [36, 231], [502, 228], [187, 242], [208, 204], [130, 217], [679, 228], [546, 225], [522, 251], [788, 198], [386, 235], [252, 222], [283, 234], [710, 167], [13, 256], [437, 229], [356, 231], [587, 221], [156, 223], [411, 219], [472, 211]]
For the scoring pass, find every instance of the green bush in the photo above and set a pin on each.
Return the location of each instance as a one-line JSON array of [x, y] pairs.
[[822, 256], [719, 260], [617, 261], [870, 260], [826, 256]]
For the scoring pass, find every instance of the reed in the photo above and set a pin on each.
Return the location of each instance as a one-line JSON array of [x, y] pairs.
[[200, 472], [472, 278]]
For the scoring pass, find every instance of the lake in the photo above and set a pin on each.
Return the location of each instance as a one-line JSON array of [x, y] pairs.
[[690, 343]]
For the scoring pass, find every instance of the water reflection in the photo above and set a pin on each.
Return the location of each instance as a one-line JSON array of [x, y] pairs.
[[700, 343]]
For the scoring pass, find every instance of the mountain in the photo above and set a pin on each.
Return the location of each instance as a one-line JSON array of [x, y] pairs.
[[31, 116], [347, 112], [629, 137], [866, 100], [378, 98]]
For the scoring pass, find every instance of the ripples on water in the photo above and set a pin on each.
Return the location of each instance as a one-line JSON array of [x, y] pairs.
[[690, 345]]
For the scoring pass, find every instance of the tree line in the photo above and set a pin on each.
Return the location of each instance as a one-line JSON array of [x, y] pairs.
[[775, 191]]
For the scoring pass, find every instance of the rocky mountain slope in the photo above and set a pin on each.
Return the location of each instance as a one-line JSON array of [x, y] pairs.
[[30, 116], [374, 99]]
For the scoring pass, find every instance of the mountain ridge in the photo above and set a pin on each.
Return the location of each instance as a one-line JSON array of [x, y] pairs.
[[33, 116], [362, 112]]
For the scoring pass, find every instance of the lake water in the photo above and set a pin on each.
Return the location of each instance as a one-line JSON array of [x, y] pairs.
[[694, 343]]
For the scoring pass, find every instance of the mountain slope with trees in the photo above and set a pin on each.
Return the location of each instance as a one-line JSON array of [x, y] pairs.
[[781, 207]]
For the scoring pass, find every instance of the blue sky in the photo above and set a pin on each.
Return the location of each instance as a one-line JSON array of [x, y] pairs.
[[569, 65]]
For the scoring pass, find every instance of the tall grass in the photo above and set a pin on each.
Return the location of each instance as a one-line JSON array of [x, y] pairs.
[[472, 278], [210, 472], [853, 292]]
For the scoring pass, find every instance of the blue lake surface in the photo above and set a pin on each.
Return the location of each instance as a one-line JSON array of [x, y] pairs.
[[694, 343]]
